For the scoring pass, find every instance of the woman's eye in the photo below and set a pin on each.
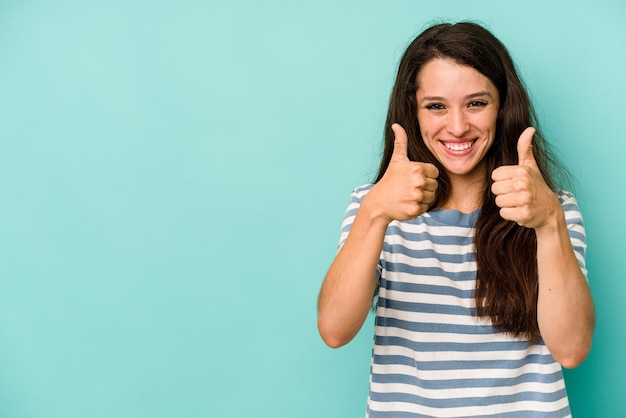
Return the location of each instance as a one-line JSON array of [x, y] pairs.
[[434, 106], [477, 103]]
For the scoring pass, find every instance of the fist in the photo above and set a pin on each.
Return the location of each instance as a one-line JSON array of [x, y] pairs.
[[521, 192], [408, 187]]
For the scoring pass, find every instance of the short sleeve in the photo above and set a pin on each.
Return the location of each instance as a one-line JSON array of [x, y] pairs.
[[355, 203]]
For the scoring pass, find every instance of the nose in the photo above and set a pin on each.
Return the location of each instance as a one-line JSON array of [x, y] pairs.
[[458, 124]]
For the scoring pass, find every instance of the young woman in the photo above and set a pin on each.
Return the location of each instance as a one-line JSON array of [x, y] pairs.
[[473, 255]]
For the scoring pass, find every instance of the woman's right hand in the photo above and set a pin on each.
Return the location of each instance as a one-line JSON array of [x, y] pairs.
[[407, 188]]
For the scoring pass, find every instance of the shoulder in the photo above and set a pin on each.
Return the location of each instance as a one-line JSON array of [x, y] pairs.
[[359, 192], [568, 202], [573, 215], [566, 197]]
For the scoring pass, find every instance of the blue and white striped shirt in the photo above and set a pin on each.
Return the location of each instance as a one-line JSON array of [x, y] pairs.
[[432, 356]]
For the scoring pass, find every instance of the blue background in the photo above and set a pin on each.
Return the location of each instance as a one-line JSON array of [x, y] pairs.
[[173, 176]]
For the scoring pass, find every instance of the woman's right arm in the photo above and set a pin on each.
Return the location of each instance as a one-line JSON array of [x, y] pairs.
[[349, 286], [404, 192]]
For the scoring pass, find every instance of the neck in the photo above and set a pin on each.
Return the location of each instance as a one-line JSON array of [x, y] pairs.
[[466, 195]]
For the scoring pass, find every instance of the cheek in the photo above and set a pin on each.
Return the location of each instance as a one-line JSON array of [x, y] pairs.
[[429, 129], [486, 125], [490, 129], [429, 125], [490, 122], [427, 137]]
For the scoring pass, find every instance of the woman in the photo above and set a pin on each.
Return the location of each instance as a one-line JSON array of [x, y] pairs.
[[475, 255]]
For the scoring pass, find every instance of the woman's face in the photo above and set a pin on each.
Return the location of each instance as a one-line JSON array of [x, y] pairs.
[[457, 108]]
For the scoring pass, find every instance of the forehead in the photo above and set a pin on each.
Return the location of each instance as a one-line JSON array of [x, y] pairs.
[[446, 77]]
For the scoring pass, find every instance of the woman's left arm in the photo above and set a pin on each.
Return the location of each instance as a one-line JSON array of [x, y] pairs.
[[564, 308]]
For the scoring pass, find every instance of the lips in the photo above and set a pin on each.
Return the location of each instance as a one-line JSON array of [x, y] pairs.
[[458, 146]]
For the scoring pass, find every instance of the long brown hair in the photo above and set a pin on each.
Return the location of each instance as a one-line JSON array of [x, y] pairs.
[[506, 254]]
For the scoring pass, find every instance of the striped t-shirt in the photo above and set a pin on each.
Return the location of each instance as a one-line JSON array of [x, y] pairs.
[[432, 356]]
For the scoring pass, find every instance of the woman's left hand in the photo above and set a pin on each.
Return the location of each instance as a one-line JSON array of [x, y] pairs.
[[521, 192]]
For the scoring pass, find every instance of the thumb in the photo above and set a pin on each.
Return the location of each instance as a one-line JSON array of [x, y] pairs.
[[525, 147], [400, 144]]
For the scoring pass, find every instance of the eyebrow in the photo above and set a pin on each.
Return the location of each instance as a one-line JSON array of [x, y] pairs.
[[468, 97]]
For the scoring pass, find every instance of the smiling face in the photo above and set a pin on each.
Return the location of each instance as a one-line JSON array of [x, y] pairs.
[[457, 109]]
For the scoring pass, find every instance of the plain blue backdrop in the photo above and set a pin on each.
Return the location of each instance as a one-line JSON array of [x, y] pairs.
[[173, 175]]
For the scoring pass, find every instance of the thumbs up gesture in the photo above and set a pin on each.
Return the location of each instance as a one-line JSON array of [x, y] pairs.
[[521, 192], [407, 188]]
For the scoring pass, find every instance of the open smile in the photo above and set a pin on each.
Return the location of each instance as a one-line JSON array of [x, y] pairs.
[[458, 146]]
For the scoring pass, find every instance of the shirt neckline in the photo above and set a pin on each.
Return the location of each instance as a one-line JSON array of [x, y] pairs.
[[454, 217]]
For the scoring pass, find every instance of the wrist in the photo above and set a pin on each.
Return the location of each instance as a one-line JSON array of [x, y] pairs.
[[554, 223], [372, 213]]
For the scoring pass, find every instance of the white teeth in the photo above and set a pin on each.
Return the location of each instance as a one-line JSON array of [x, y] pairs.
[[458, 147]]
